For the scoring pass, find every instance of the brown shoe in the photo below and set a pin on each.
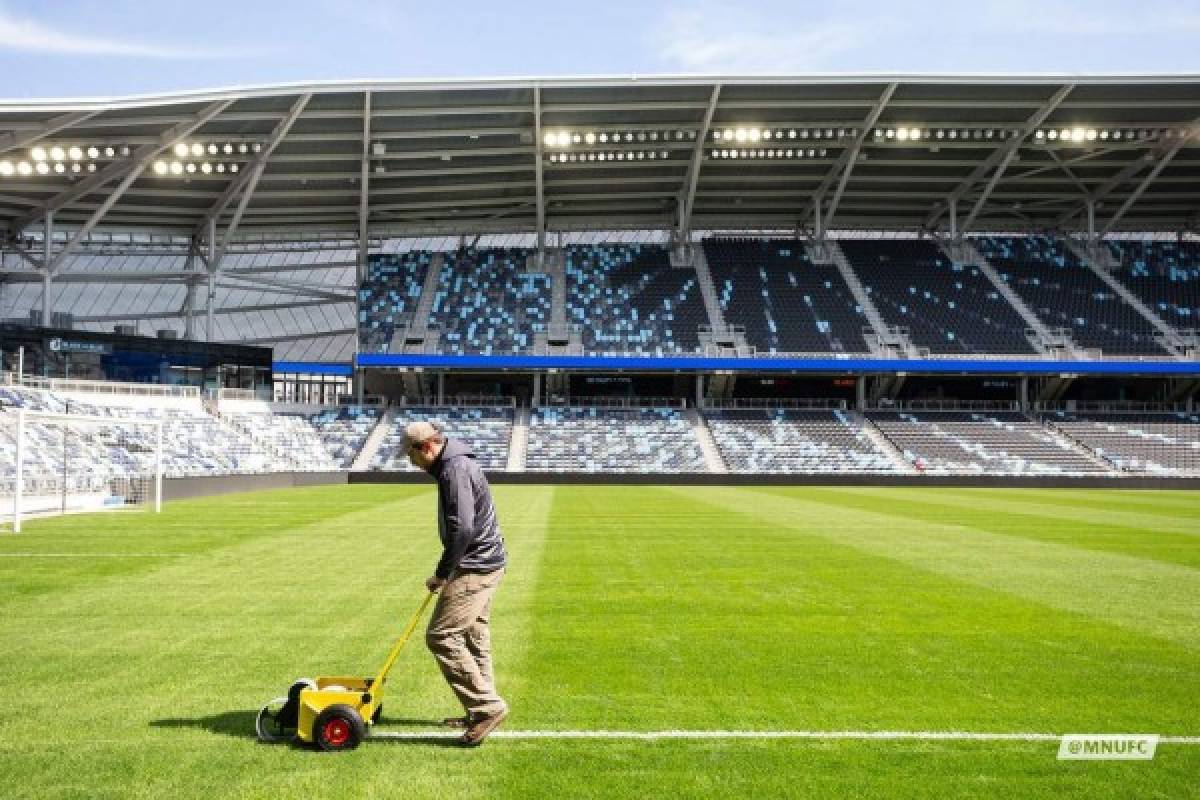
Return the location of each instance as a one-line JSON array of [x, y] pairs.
[[462, 722], [481, 726]]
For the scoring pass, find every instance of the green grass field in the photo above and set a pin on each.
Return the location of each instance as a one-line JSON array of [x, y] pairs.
[[137, 648]]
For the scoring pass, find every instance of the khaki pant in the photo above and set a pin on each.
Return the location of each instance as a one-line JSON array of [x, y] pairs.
[[459, 639]]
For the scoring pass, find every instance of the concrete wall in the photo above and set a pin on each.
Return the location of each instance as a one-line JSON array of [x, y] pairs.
[[182, 488], [707, 479]]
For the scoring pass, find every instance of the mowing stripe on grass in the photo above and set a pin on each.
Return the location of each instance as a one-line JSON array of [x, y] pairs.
[[93, 555], [950, 736], [1152, 597]]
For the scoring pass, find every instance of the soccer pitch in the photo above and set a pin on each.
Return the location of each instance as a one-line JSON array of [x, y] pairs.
[[137, 648]]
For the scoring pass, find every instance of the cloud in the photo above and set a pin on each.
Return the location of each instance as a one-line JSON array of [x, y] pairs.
[[711, 42], [35, 37]]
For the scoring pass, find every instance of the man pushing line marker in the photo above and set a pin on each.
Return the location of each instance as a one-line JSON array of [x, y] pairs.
[[471, 567]]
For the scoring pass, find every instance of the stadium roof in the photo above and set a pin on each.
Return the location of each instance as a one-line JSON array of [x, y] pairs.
[[684, 153]]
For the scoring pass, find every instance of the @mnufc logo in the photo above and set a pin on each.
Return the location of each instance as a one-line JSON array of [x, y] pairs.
[[1107, 747]]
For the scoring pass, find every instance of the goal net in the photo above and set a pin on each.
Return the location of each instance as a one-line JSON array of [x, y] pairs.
[[65, 463]]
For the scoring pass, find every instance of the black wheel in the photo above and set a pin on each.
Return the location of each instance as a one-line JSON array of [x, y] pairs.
[[378, 713], [270, 724], [338, 727]]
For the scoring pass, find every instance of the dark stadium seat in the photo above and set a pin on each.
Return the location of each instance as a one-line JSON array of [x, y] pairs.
[[786, 303], [1064, 293], [947, 307], [1165, 275]]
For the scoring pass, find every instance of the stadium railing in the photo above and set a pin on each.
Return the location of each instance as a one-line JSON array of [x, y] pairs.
[[99, 387]]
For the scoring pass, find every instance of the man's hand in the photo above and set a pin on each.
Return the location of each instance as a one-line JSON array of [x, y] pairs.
[[434, 583]]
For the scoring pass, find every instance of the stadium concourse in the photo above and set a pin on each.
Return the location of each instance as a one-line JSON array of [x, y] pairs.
[[867, 276]]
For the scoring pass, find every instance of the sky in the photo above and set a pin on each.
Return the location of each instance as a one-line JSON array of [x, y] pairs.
[[78, 48]]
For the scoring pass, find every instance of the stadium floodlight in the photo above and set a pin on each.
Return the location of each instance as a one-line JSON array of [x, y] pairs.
[[753, 134], [256, 147], [24, 168], [60, 167], [716, 136], [789, 153], [181, 149], [604, 138], [91, 167], [110, 152], [1078, 134], [234, 168], [93, 152], [75, 152], [160, 168], [589, 138], [1052, 135], [902, 134], [243, 148], [654, 136], [7, 168], [125, 151], [804, 133], [890, 133], [1040, 136], [76, 167], [221, 168], [550, 139], [914, 133], [227, 149], [38, 153], [197, 150], [563, 139], [1092, 134], [576, 138], [766, 134], [43, 168], [728, 135], [57, 153], [792, 133], [212, 148], [190, 168], [176, 168], [1064, 135]]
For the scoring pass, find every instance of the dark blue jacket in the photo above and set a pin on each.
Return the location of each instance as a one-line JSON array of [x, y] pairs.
[[467, 522]]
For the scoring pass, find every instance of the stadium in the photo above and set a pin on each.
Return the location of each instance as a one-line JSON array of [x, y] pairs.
[[842, 430]]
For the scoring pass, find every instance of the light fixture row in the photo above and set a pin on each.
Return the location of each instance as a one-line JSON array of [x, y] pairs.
[[76, 152], [565, 138], [1078, 135], [201, 149], [742, 135], [621, 155], [906, 134], [24, 167], [177, 168], [798, 152]]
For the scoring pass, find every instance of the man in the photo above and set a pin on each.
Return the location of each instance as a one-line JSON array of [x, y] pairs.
[[472, 564]]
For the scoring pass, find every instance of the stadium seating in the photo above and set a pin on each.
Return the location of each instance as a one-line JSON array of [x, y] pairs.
[[328, 440], [967, 443], [784, 441], [486, 430], [1163, 275], [586, 439], [1065, 293], [786, 303], [1155, 444], [487, 303], [388, 296], [628, 299], [946, 307], [344, 430]]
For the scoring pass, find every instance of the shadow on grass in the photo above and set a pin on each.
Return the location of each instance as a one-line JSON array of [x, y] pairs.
[[240, 725]]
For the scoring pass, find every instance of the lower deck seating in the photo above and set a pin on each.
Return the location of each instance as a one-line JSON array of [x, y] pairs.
[[1154, 444], [291, 438], [784, 441], [486, 430], [964, 443], [584, 439], [344, 430]]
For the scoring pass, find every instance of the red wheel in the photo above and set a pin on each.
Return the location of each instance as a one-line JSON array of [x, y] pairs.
[[338, 727]]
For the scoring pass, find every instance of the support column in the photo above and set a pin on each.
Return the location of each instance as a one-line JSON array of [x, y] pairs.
[[860, 393], [1091, 221], [818, 220], [212, 279], [536, 399], [441, 388], [1023, 393], [954, 218], [700, 391], [47, 260]]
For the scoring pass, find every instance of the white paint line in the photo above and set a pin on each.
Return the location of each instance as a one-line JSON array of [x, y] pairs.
[[92, 555], [972, 736]]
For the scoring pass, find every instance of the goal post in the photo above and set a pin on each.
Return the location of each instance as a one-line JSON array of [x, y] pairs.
[[66, 463]]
